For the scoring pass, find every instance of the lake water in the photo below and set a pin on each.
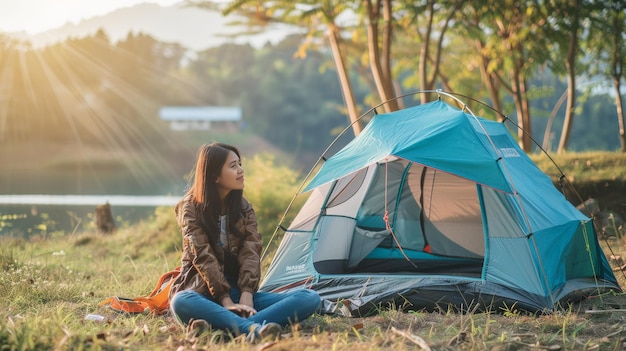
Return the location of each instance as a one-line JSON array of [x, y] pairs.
[[26, 215], [82, 200]]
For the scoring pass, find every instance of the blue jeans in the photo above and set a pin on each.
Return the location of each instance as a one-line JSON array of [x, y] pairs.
[[281, 308]]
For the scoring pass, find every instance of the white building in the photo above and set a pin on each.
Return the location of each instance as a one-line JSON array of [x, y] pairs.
[[201, 117]]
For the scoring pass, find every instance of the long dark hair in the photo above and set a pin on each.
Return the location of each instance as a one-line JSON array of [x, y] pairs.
[[203, 189]]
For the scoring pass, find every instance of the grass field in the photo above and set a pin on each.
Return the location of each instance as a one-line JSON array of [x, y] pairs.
[[49, 284], [48, 287]]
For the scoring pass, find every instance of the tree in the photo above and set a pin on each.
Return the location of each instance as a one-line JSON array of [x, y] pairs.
[[379, 49], [513, 46], [225, 72], [430, 21], [338, 49], [375, 16], [565, 27], [471, 27], [605, 42], [316, 17], [291, 101]]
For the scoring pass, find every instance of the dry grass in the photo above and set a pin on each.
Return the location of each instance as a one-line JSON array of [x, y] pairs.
[[48, 286]]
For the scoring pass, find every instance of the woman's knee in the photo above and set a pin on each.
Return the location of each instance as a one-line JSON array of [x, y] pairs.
[[183, 300], [311, 297]]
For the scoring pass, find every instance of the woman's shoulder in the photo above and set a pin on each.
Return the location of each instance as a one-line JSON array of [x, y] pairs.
[[185, 203], [245, 204]]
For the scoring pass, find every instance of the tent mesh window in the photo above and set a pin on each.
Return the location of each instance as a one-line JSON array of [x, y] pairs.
[[435, 220]]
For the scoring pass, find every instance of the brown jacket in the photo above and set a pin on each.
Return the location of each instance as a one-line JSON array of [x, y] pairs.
[[202, 266]]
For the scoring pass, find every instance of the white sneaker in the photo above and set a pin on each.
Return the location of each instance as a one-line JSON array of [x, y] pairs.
[[266, 331], [197, 327]]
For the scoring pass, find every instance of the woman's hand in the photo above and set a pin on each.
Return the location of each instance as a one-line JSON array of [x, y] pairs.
[[246, 299], [241, 309]]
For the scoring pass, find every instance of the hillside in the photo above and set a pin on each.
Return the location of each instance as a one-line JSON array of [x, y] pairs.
[[194, 28], [591, 175]]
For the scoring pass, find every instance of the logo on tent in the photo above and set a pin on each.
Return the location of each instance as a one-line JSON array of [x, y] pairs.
[[509, 152], [295, 268]]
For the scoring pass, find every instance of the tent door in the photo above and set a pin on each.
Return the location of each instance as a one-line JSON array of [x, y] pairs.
[[334, 240]]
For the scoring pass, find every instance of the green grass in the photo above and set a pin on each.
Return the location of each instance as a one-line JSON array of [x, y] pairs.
[[48, 284], [587, 166]]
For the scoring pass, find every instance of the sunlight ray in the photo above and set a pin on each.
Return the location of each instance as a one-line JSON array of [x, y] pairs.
[[117, 131], [129, 132], [69, 90], [6, 90], [26, 86], [97, 119]]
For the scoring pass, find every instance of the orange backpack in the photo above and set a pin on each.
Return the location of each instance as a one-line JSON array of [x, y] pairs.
[[157, 302]]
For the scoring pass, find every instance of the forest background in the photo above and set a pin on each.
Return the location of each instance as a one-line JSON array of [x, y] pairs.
[[81, 116]]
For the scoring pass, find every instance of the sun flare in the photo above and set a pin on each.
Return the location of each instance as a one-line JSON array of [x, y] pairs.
[[36, 16]]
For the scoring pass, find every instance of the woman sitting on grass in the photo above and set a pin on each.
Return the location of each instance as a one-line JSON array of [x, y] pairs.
[[221, 270]]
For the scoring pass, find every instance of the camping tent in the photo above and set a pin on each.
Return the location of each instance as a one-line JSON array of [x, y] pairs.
[[431, 207]]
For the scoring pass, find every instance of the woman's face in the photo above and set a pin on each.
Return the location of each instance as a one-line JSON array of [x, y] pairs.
[[231, 177]]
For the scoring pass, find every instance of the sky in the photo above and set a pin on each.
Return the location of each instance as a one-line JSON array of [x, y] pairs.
[[35, 16]]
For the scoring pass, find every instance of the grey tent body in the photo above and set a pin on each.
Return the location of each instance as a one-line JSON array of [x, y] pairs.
[[431, 207]]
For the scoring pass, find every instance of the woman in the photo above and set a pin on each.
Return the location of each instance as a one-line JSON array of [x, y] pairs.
[[220, 270]]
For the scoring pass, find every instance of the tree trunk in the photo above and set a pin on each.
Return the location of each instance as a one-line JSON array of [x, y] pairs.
[[620, 114], [380, 59], [344, 80], [429, 83], [569, 112], [490, 81], [617, 65], [518, 89], [570, 65], [546, 134], [104, 219], [527, 139], [424, 49]]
